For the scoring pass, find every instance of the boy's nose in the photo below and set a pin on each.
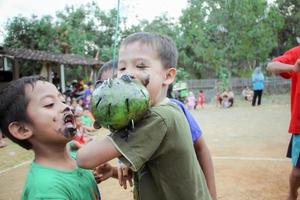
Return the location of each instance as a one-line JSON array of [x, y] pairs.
[[66, 108], [131, 76]]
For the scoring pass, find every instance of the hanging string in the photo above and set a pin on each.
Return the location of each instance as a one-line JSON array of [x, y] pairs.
[[117, 30]]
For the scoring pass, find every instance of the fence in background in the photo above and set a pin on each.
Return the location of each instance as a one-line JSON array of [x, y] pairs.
[[273, 85]]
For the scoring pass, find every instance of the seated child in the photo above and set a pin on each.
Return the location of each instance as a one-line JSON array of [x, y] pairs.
[[34, 115], [159, 149], [247, 94], [227, 98]]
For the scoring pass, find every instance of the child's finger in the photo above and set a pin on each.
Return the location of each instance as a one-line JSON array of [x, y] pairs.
[[124, 184], [125, 171], [120, 175], [130, 182]]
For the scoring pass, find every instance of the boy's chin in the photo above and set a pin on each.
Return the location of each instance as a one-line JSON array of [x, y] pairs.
[[69, 131]]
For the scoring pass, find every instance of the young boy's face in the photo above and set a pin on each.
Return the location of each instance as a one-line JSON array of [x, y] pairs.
[[139, 60], [49, 114]]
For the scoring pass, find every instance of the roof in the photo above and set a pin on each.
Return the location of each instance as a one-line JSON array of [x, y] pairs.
[[28, 54]]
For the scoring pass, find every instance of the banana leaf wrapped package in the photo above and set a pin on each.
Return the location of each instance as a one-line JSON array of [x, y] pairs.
[[119, 103]]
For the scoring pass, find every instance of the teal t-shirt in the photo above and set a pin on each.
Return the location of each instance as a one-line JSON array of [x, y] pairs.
[[87, 120], [50, 183]]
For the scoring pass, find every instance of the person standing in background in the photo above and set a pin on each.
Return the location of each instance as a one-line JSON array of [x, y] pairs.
[[258, 85], [201, 99], [191, 101]]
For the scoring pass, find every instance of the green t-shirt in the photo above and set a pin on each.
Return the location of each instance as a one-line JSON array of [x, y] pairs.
[[49, 183], [86, 120], [160, 150]]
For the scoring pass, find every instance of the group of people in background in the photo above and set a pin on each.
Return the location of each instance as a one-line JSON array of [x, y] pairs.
[[191, 101]]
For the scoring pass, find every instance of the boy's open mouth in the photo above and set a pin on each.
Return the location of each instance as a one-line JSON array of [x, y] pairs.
[[70, 128], [68, 118]]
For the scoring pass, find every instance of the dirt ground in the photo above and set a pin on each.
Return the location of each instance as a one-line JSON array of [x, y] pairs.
[[248, 146]]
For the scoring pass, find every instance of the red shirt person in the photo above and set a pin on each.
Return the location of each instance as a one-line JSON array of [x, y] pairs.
[[288, 66], [290, 57]]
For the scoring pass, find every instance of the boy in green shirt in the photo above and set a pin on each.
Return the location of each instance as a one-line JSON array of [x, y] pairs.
[[34, 115], [159, 149]]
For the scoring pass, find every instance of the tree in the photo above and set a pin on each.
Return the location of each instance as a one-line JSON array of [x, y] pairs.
[[289, 10], [32, 33], [86, 29], [218, 34], [83, 30]]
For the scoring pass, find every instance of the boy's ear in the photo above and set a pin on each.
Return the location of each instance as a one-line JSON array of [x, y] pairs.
[[170, 76], [20, 130]]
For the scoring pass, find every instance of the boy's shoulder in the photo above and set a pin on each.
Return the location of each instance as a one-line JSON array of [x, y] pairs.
[[53, 183], [40, 175], [169, 112], [167, 109]]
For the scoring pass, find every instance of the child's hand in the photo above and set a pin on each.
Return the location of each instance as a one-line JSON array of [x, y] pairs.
[[124, 175], [297, 66], [103, 172]]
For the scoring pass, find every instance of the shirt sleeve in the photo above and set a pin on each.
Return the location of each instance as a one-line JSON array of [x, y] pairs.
[[138, 145], [286, 58], [194, 127]]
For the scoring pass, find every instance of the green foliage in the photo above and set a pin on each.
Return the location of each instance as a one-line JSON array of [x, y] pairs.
[[31, 33], [223, 76], [289, 10], [222, 35], [211, 35], [182, 74]]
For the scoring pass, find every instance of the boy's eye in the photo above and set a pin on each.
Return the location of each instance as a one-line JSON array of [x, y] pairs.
[[122, 68], [142, 66], [50, 105]]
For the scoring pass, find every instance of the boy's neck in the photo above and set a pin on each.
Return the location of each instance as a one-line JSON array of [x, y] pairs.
[[162, 98], [164, 101], [56, 157]]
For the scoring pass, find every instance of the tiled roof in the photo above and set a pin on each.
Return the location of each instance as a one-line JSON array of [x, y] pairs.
[[28, 54]]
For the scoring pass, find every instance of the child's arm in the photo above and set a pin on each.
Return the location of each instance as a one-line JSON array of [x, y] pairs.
[[278, 67], [96, 152], [206, 164]]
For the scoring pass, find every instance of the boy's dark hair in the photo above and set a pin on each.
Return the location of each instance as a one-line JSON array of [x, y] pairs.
[[110, 65], [169, 92], [164, 46], [13, 106]]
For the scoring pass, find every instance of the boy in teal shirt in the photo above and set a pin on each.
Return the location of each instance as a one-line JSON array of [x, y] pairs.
[[34, 115]]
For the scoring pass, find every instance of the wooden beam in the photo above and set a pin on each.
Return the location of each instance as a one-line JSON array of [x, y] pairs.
[[16, 69], [62, 78]]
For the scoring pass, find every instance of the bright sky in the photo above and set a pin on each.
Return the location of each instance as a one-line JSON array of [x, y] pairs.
[[134, 10]]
